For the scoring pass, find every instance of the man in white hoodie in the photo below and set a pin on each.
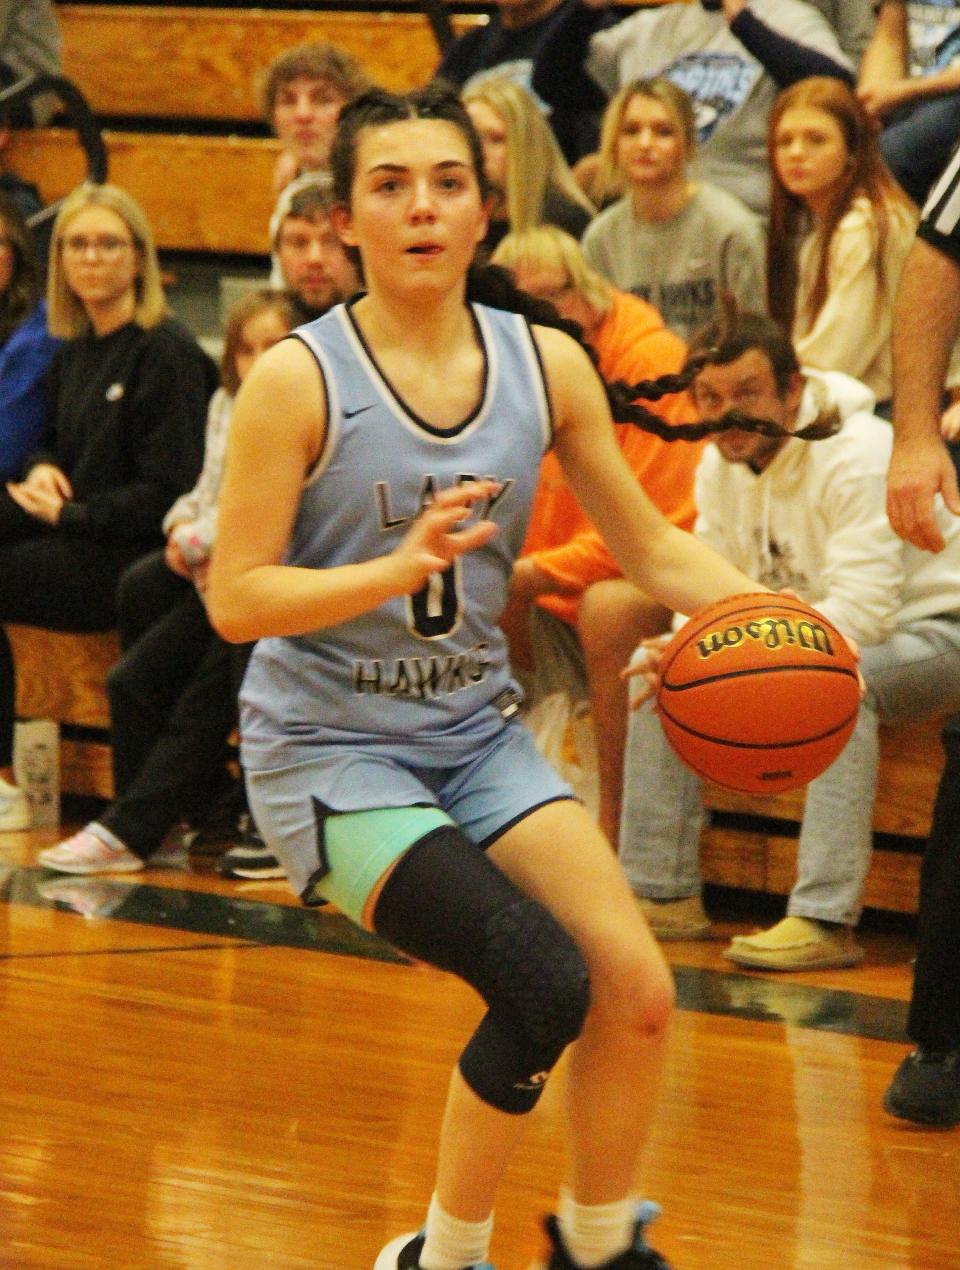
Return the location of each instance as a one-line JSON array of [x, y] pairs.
[[808, 516]]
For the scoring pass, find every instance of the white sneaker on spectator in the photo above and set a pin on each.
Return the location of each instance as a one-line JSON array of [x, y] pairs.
[[14, 808], [86, 853]]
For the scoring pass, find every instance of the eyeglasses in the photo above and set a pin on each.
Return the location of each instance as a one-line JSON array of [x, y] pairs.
[[107, 246]]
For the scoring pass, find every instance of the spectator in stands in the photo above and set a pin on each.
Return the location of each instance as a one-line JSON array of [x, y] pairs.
[[26, 346], [173, 693], [317, 273], [808, 516], [675, 241], [731, 62], [583, 617], [128, 393], [853, 21], [303, 91], [910, 84], [23, 193], [840, 229], [29, 45], [311, 260], [508, 45], [528, 175], [926, 324]]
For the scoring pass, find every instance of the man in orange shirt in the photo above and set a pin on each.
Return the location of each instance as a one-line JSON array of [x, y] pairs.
[[573, 620]]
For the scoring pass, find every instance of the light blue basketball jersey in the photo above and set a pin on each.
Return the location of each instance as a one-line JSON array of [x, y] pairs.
[[425, 676]]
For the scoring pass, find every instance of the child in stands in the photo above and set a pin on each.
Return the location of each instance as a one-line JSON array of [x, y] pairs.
[[173, 693]]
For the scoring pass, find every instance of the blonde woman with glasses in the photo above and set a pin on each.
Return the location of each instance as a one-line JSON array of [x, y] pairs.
[[127, 395], [530, 179]]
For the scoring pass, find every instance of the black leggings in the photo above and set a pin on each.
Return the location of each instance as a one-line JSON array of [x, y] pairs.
[[173, 704], [53, 581]]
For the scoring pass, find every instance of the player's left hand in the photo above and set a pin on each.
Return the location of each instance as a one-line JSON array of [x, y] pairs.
[[644, 669]]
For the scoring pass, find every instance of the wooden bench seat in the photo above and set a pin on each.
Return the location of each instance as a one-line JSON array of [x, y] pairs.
[[212, 194], [63, 677], [752, 842]]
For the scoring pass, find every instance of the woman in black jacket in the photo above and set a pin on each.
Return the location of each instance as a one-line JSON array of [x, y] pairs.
[[127, 400]]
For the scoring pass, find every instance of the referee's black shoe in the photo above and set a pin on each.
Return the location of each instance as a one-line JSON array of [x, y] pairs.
[[926, 1089]]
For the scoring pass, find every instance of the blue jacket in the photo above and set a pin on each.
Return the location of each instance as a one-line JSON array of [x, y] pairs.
[[23, 399]]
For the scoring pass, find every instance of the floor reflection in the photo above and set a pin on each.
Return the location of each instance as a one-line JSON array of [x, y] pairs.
[[775, 1001], [198, 912]]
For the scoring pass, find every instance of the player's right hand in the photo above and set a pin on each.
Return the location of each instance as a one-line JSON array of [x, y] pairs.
[[440, 534]]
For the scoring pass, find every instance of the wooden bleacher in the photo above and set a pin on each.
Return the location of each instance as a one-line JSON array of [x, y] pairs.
[[189, 66], [181, 62], [206, 194], [63, 677], [752, 842]]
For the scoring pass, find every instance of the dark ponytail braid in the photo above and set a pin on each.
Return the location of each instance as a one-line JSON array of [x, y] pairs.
[[722, 342]]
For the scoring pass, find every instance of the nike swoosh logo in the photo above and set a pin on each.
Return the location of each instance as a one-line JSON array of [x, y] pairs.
[[348, 414]]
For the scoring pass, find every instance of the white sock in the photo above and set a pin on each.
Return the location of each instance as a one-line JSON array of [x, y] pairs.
[[453, 1244], [596, 1233]]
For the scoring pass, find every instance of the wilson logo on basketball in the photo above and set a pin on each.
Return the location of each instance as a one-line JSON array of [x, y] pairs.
[[771, 632]]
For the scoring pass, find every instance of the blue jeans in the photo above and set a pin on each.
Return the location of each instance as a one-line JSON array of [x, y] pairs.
[[916, 672], [917, 143]]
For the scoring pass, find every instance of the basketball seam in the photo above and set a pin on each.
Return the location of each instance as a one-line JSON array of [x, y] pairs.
[[760, 745], [758, 670]]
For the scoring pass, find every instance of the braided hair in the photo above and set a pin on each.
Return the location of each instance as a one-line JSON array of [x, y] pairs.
[[494, 286], [723, 341]]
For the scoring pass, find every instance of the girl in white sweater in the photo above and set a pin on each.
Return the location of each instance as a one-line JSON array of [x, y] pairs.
[[840, 229]]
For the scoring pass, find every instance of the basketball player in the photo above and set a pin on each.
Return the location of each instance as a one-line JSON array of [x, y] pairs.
[[400, 438]]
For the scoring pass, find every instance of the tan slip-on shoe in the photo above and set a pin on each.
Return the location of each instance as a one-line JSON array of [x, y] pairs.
[[676, 919], [796, 943]]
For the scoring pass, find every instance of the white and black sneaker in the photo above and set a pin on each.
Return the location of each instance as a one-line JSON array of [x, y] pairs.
[[403, 1253], [250, 858]]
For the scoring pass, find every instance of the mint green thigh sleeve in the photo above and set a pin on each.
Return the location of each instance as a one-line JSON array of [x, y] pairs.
[[360, 848]]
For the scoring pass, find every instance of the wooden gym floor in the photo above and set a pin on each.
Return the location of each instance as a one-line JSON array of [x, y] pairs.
[[200, 1075]]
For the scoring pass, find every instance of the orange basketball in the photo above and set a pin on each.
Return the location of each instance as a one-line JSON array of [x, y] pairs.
[[758, 692]]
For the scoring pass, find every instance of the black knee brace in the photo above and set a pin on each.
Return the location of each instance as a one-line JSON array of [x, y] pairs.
[[447, 904]]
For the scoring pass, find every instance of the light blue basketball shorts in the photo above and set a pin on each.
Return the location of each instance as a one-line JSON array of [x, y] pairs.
[[340, 858]]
